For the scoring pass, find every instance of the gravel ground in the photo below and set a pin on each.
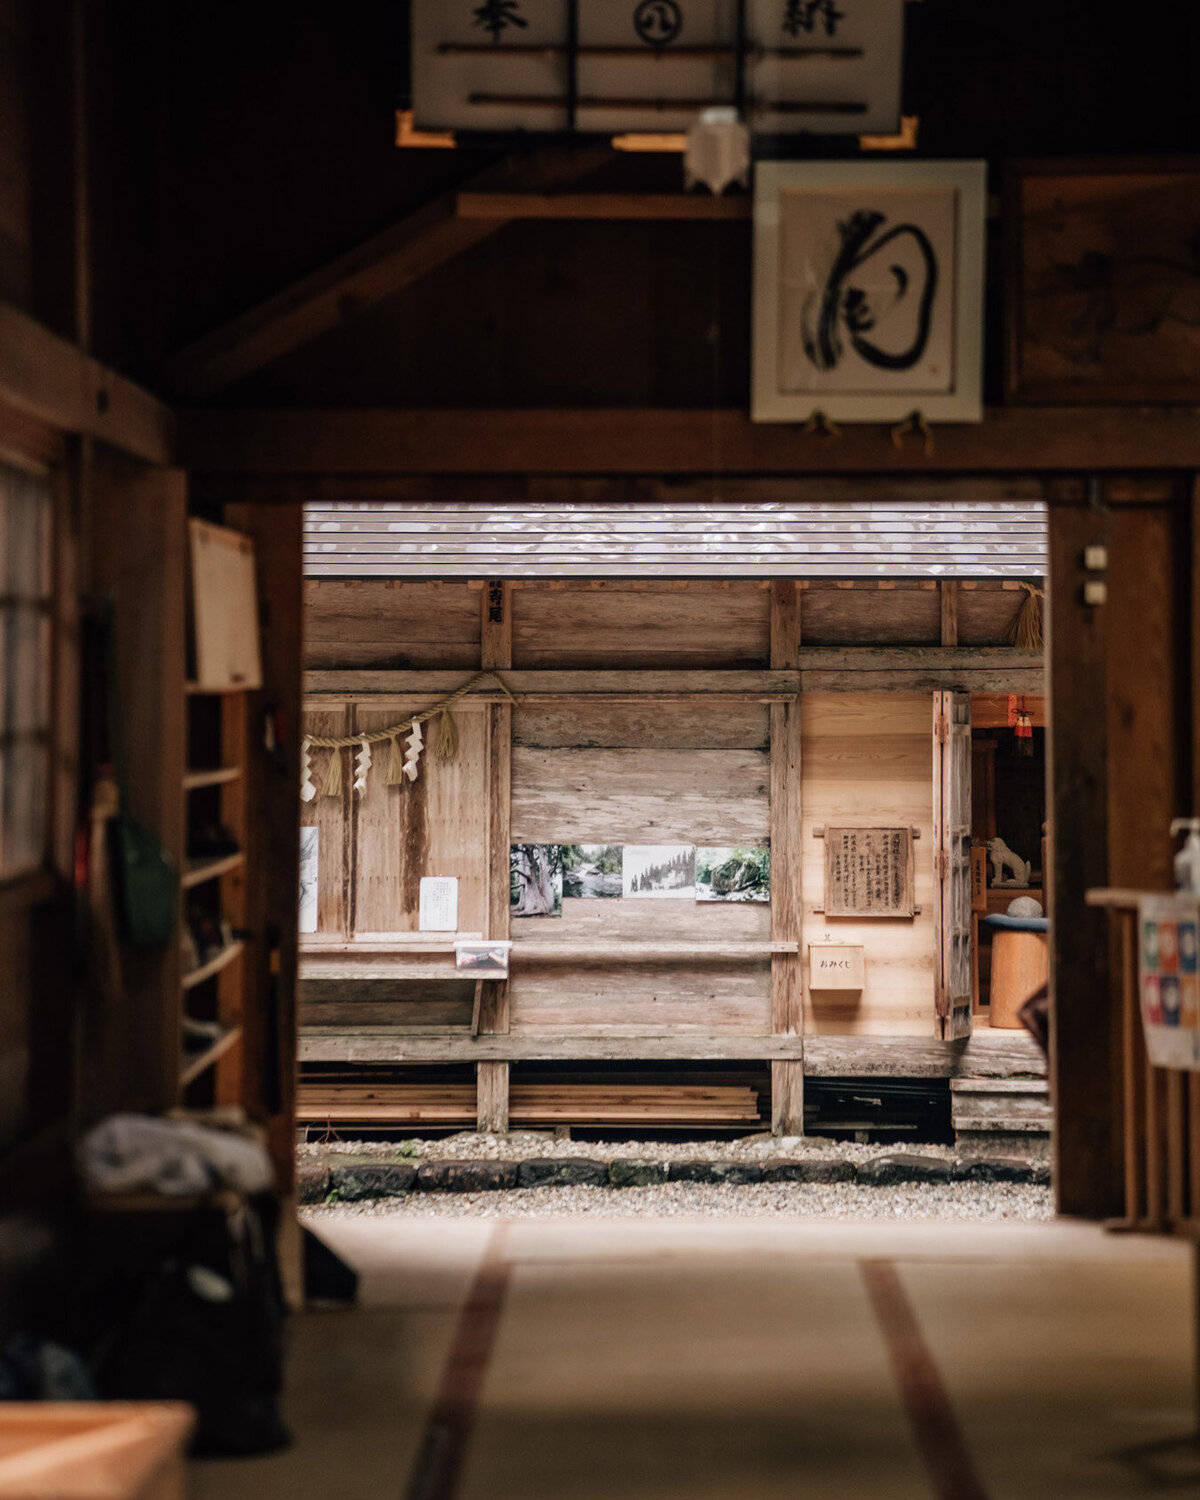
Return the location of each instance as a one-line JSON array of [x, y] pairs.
[[960, 1200], [522, 1144]]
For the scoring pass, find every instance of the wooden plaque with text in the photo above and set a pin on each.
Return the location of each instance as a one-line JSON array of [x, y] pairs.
[[869, 872]]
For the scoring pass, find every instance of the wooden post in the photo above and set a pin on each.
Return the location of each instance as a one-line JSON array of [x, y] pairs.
[[787, 983], [949, 592], [270, 1041], [131, 1043], [1084, 1047], [496, 652]]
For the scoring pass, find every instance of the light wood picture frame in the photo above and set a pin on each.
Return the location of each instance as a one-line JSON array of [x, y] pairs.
[[868, 291]]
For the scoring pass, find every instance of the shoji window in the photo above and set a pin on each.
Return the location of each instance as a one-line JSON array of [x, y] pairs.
[[25, 668]]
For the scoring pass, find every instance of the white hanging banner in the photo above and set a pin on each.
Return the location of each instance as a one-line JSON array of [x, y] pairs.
[[829, 67]]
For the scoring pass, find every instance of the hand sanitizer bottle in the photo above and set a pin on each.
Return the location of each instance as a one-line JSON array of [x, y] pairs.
[[1187, 861]]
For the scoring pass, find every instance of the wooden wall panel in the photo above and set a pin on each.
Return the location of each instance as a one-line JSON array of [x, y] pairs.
[[640, 796], [585, 923], [16, 156], [411, 1003], [389, 623], [631, 624], [328, 815], [868, 759], [985, 611], [436, 825], [907, 615], [685, 724], [628, 999], [18, 999]]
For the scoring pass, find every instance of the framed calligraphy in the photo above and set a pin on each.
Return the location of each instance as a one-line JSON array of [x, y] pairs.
[[869, 872], [868, 291]]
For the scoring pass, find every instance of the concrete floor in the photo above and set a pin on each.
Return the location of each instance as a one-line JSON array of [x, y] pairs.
[[680, 1359]]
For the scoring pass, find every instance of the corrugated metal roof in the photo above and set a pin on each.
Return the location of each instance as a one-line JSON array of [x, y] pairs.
[[685, 539]]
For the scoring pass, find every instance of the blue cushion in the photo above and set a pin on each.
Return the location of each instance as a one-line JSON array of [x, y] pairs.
[[1018, 924]]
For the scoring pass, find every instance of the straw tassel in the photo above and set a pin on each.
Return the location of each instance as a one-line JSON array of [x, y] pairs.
[[395, 766], [1025, 632], [333, 776], [445, 747], [308, 788]]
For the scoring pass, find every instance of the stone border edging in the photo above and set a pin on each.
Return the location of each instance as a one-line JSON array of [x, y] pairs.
[[362, 1181]]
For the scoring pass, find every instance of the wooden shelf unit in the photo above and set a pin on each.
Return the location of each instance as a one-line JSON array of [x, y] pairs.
[[193, 781], [216, 730], [193, 977], [199, 872], [198, 1065]]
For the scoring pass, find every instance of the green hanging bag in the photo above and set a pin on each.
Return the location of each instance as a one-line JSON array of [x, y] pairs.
[[145, 880]]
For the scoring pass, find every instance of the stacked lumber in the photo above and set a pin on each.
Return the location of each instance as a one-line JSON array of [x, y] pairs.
[[530, 1103]]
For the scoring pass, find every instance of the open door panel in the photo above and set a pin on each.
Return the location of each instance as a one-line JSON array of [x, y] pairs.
[[952, 864]]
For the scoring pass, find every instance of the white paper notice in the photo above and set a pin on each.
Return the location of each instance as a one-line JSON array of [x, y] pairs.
[[309, 838], [439, 903]]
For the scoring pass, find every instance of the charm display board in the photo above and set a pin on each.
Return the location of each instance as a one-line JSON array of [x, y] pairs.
[[869, 872], [605, 66]]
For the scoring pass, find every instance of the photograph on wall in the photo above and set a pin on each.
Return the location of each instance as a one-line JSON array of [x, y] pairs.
[[309, 839], [733, 873], [868, 287], [591, 870], [659, 870], [535, 880]]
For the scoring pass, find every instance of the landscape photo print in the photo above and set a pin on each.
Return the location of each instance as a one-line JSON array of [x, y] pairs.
[[592, 870], [535, 880], [659, 870], [733, 873]]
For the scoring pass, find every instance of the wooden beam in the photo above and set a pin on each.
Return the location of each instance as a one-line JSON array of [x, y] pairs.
[[332, 295], [984, 1055], [787, 973], [569, 683], [491, 1106], [786, 604], [910, 669], [657, 206], [54, 382], [395, 1044], [649, 441], [949, 595]]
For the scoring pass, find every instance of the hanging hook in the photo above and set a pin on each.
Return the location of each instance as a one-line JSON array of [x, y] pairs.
[[820, 427], [915, 423]]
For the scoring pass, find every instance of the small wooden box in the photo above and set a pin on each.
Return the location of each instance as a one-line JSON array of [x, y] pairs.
[[836, 966]]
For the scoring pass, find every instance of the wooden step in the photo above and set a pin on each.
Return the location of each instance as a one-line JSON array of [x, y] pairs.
[[529, 1103], [999, 1106]]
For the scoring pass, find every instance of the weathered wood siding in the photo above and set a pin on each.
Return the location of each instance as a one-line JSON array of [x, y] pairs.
[[375, 845], [868, 759], [626, 624], [664, 783], [641, 624], [388, 624]]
